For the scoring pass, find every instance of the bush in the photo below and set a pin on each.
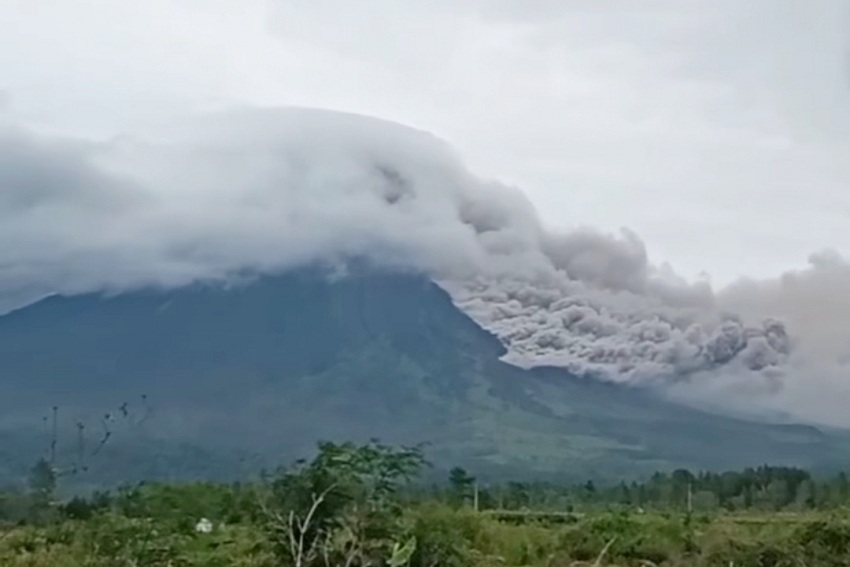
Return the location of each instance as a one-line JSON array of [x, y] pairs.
[[632, 539], [444, 535], [824, 543], [756, 554]]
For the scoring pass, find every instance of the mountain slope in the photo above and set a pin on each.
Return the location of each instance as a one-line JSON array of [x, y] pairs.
[[271, 366]]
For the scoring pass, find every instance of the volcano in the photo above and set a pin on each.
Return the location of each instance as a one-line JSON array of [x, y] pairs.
[[209, 378]]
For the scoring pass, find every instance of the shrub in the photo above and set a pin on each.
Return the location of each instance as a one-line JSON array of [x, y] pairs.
[[444, 535]]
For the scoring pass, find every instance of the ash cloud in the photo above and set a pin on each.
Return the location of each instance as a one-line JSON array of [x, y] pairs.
[[265, 190]]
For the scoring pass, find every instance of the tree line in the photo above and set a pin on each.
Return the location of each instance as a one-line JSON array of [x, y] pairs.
[[768, 488]]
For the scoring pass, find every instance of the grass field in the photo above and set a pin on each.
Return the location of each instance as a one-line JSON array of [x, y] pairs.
[[448, 536]]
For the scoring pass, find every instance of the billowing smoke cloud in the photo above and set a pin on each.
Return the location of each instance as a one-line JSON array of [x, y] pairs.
[[264, 190]]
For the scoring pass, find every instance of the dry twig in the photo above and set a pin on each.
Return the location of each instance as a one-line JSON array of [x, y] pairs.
[[602, 553]]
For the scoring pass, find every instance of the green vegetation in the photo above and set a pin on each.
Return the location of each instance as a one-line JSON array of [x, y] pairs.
[[356, 505]]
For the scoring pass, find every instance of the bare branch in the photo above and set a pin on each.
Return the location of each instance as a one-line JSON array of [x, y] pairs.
[[304, 526], [296, 529], [107, 433], [605, 549]]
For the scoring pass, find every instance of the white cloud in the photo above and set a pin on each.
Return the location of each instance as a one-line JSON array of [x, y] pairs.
[[725, 121]]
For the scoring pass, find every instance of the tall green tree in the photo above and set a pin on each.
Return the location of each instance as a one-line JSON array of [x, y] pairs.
[[345, 502], [461, 485]]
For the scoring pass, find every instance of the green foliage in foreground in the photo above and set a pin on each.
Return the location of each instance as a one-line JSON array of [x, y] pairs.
[[356, 506]]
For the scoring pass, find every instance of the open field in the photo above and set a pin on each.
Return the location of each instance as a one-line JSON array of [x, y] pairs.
[[447, 536]]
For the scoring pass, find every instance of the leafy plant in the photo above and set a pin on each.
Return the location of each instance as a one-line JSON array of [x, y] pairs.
[[342, 505]]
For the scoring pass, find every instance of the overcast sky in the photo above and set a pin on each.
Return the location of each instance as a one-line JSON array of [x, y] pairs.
[[718, 131]]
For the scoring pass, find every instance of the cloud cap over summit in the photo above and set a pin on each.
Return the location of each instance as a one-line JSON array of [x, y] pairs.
[[264, 189]]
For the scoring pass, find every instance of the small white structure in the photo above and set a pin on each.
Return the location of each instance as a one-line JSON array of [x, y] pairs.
[[204, 526]]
